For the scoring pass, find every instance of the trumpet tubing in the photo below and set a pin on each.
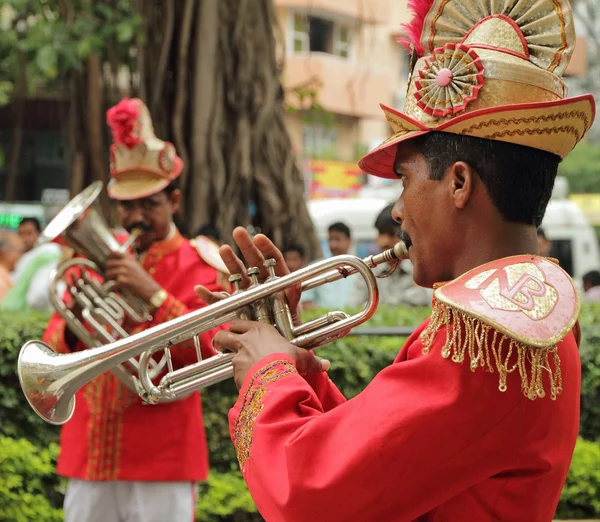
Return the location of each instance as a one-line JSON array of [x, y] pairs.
[[50, 380]]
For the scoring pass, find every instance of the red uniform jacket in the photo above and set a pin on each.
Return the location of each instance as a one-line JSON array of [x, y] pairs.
[[112, 435], [427, 440]]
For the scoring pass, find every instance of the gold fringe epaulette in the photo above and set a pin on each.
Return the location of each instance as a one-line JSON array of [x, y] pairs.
[[485, 347], [507, 316]]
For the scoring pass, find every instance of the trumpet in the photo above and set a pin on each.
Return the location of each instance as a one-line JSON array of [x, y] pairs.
[[50, 380]]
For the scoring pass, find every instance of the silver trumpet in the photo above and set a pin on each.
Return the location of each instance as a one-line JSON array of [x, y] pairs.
[[50, 380], [81, 226]]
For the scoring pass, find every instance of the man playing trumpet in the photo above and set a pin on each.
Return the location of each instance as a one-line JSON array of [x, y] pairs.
[[126, 461], [477, 418]]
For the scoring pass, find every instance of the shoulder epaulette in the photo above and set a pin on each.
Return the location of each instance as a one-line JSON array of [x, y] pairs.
[[508, 315], [209, 252]]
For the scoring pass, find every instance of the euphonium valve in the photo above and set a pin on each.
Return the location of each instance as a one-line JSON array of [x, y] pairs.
[[50, 380]]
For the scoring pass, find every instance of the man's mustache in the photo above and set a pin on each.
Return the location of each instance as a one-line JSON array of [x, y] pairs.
[[141, 226], [404, 237]]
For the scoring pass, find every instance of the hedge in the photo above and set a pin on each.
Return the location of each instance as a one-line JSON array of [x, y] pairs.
[[37, 495]]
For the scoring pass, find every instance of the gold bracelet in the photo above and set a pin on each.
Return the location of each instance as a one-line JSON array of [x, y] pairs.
[[158, 298]]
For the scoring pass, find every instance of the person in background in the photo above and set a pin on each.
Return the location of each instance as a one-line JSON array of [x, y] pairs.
[[397, 288], [11, 249], [337, 294], [29, 230], [544, 244], [294, 256], [33, 272], [591, 286], [126, 461]]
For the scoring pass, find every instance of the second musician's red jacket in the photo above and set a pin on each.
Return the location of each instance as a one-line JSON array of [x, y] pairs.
[[112, 435]]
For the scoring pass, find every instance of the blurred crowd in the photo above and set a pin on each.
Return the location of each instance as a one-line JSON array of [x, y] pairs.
[[26, 268]]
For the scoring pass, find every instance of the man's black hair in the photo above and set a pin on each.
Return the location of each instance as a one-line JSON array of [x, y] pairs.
[[518, 179], [171, 187], [33, 220], [209, 231], [385, 223], [294, 247], [340, 227], [592, 277]]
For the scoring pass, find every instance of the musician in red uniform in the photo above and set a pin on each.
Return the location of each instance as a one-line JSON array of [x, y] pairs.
[[127, 461], [477, 418]]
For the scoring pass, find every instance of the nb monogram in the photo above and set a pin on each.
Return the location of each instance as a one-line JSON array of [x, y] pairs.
[[519, 287]]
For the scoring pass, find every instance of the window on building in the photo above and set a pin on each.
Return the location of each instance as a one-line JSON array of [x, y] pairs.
[[319, 35], [320, 141], [341, 41], [300, 33]]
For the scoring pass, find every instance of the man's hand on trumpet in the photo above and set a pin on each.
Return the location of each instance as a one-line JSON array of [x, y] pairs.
[[250, 340]]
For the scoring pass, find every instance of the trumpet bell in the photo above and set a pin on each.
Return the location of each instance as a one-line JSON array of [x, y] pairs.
[[46, 385]]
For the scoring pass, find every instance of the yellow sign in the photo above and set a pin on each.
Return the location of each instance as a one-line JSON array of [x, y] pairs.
[[589, 205], [335, 179]]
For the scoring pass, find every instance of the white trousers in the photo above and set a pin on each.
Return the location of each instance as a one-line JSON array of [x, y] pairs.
[[124, 501]]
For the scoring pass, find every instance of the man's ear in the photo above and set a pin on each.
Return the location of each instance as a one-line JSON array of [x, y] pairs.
[[462, 183], [175, 200]]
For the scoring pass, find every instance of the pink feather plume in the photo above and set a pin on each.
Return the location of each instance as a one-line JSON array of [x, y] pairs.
[[414, 28], [122, 119]]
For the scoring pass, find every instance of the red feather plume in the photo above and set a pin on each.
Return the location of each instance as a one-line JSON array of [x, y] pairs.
[[414, 28], [122, 119]]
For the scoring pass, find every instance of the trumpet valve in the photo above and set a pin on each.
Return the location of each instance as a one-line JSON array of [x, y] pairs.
[[235, 280], [243, 313], [253, 275], [269, 264], [260, 308]]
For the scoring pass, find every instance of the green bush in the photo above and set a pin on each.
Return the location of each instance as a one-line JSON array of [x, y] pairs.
[[225, 497], [29, 487], [355, 361], [590, 372], [17, 419], [581, 494]]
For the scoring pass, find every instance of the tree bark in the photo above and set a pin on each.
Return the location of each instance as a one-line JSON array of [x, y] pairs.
[[95, 118], [16, 141], [181, 97], [209, 71]]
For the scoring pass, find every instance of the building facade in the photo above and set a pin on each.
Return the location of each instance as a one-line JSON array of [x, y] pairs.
[[342, 60]]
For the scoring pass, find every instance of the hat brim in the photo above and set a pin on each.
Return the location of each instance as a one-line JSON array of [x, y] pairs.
[[127, 185], [555, 126]]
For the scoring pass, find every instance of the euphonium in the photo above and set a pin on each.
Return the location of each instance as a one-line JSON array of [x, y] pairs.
[[50, 380], [81, 226]]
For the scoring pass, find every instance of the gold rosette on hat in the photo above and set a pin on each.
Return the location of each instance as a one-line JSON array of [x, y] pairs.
[[449, 80]]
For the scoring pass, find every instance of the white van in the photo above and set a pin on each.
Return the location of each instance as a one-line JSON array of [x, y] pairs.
[[574, 240]]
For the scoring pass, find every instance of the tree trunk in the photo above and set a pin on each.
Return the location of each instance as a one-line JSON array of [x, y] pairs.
[[96, 122], [16, 141], [209, 72]]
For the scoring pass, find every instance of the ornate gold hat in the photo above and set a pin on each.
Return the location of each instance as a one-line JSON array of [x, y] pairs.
[[140, 163], [488, 69]]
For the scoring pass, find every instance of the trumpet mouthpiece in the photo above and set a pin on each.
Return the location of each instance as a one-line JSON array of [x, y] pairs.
[[400, 251]]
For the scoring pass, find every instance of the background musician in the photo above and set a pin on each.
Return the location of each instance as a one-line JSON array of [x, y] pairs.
[[126, 461]]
